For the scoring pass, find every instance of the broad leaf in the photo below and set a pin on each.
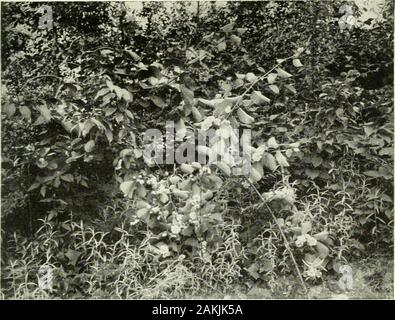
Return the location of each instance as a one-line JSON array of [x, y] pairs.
[[282, 161], [272, 143], [271, 78], [89, 146], [221, 46], [283, 74], [259, 98], [244, 117], [297, 63], [274, 88], [291, 88], [67, 177], [269, 161], [228, 28], [9, 109], [235, 39], [25, 112], [128, 188]]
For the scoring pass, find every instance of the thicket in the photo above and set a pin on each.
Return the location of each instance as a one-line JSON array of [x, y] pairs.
[[77, 195]]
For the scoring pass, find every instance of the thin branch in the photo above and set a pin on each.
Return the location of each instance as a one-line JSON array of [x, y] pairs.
[[286, 243], [97, 49]]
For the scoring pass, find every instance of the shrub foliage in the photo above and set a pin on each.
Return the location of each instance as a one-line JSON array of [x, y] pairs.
[[77, 195]]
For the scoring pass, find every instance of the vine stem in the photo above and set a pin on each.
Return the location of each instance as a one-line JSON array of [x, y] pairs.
[[286, 243]]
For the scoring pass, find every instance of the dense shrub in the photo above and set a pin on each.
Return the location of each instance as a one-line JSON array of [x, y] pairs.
[[77, 195]]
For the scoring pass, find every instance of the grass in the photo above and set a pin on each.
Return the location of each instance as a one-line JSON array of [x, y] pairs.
[[128, 263]]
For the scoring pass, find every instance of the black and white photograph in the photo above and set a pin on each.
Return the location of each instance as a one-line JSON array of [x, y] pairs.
[[197, 150]]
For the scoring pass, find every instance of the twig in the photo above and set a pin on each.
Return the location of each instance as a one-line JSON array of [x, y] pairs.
[[286, 243], [97, 49], [40, 76], [29, 203]]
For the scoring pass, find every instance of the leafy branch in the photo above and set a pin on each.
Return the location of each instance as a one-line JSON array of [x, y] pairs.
[[254, 83]]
